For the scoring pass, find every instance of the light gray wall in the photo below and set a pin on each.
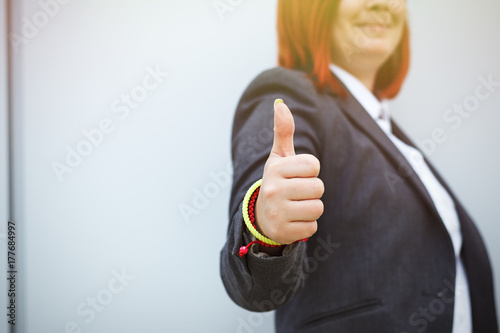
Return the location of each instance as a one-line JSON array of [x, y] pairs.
[[4, 201], [120, 207]]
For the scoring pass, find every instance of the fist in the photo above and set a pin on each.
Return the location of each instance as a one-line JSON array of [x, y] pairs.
[[288, 204]]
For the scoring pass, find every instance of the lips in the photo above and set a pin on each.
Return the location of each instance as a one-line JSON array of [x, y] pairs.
[[374, 27], [373, 24], [376, 21]]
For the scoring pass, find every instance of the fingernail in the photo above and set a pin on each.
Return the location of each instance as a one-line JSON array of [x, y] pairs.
[[278, 101]]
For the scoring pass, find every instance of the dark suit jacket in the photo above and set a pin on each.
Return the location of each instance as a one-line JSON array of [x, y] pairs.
[[382, 259]]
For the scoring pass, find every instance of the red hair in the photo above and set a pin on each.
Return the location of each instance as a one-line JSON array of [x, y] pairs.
[[305, 40]]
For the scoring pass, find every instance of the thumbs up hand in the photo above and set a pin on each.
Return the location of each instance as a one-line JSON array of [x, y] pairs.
[[289, 202]]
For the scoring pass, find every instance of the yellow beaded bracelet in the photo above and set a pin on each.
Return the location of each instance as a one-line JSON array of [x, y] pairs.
[[246, 218]]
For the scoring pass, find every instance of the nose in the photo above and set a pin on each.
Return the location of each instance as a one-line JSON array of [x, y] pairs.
[[384, 5], [376, 5], [384, 11]]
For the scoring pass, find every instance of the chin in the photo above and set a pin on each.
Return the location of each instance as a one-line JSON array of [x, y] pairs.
[[379, 48]]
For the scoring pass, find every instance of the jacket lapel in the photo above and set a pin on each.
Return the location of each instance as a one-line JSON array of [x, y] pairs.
[[362, 120], [460, 209]]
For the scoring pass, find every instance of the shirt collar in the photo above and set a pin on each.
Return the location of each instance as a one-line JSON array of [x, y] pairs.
[[375, 108]]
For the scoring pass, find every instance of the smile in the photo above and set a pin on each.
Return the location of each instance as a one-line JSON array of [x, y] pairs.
[[374, 26]]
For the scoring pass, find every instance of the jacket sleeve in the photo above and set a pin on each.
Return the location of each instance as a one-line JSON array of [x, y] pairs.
[[255, 281]]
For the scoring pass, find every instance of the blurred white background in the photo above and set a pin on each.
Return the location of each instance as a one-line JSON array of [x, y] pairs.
[[118, 210]]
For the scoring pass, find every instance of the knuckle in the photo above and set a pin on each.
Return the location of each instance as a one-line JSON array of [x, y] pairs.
[[322, 208], [312, 163], [318, 208], [269, 191], [319, 187], [311, 228], [275, 164], [270, 165], [316, 166], [275, 167], [273, 215]]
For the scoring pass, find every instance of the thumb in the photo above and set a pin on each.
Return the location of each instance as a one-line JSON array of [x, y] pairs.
[[284, 126]]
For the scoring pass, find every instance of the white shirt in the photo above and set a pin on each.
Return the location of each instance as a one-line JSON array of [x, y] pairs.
[[379, 111]]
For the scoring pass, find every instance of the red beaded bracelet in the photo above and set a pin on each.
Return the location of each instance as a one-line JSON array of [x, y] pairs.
[[251, 215]]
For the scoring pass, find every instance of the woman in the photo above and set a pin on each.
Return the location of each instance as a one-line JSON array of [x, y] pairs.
[[393, 250]]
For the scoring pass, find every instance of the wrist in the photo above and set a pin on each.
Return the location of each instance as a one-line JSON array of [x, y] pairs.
[[248, 211], [249, 214]]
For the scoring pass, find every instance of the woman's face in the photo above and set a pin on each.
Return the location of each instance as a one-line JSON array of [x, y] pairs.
[[367, 32]]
